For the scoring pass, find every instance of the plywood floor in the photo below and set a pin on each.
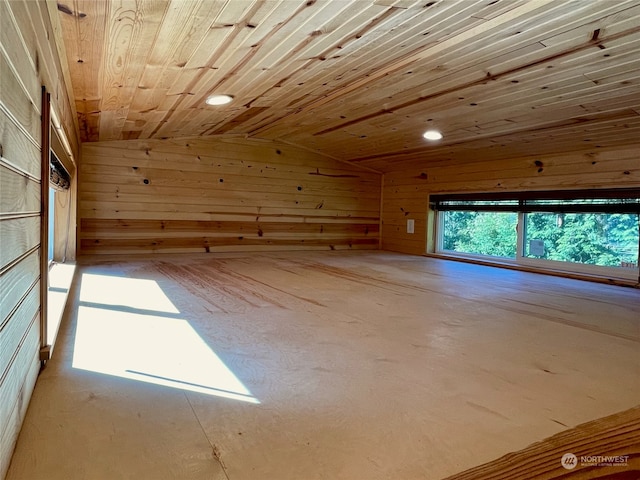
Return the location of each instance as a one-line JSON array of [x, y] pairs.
[[305, 366]]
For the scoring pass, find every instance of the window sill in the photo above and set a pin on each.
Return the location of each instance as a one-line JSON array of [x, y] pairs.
[[546, 271], [60, 278]]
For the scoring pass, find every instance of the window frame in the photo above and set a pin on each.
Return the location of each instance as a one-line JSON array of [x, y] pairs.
[[614, 201]]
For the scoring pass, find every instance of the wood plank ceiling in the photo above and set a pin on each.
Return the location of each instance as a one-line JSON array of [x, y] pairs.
[[361, 80]]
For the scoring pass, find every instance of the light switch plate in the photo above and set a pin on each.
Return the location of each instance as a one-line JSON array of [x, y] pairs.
[[411, 225]]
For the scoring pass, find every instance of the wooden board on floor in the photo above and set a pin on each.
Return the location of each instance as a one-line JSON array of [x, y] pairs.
[[607, 448]]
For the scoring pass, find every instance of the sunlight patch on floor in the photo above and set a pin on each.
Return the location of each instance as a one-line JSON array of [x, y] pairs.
[[127, 292], [130, 328]]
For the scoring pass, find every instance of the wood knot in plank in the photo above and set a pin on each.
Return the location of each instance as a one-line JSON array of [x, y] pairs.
[[64, 9]]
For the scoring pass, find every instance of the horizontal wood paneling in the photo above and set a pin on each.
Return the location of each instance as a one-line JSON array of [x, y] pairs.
[[208, 194], [18, 236], [19, 53], [406, 192], [121, 228], [23, 315], [19, 192], [19, 230], [129, 181], [15, 282], [163, 211], [37, 29], [17, 145], [28, 60], [14, 422], [285, 202], [18, 102], [16, 388]]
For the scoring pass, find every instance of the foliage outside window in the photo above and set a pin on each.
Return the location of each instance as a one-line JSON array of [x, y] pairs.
[[481, 233], [602, 239]]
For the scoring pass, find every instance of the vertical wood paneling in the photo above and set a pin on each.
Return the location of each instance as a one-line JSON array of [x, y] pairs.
[[406, 192], [202, 195], [28, 60]]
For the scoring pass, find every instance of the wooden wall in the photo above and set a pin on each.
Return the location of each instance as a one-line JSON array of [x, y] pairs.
[[406, 191], [222, 193], [28, 59]]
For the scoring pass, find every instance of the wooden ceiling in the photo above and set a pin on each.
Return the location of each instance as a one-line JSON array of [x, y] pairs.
[[361, 80]]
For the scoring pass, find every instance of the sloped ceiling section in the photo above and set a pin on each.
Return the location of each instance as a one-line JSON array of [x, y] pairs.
[[361, 80]]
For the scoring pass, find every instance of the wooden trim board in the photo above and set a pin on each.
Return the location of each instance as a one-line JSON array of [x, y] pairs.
[[605, 448]]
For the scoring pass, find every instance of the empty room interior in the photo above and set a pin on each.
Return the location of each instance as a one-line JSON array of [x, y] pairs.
[[319, 239]]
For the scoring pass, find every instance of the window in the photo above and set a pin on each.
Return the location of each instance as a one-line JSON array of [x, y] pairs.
[[480, 233], [59, 183], [593, 232], [605, 239]]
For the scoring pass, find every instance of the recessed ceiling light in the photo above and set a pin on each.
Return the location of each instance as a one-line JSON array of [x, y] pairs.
[[432, 135], [218, 99]]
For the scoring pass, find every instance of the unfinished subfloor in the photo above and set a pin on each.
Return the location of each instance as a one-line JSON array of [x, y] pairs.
[[320, 365]]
